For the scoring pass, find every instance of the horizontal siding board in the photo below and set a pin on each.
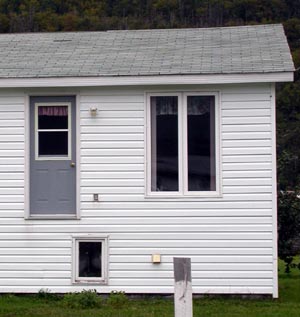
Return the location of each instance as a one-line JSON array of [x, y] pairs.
[[168, 212], [112, 144], [247, 159], [65, 234], [36, 267], [246, 135], [247, 127], [114, 114], [171, 205], [199, 231], [112, 167], [135, 267], [140, 198], [101, 137], [195, 275], [195, 258], [112, 122], [246, 150], [53, 275], [246, 143], [247, 166], [177, 252], [246, 105], [204, 282], [146, 219], [245, 120], [111, 160], [247, 189], [93, 129], [238, 97], [112, 106], [264, 112], [113, 98], [193, 243]]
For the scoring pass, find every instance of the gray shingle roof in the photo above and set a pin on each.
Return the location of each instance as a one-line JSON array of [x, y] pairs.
[[246, 49]]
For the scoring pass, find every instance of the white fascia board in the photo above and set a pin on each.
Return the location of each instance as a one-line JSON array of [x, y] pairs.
[[146, 80]]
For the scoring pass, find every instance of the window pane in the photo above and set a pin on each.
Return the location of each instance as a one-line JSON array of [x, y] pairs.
[[90, 259], [201, 143], [164, 143], [52, 117], [53, 143]]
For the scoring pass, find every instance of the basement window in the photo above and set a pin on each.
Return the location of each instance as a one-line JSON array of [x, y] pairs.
[[90, 260]]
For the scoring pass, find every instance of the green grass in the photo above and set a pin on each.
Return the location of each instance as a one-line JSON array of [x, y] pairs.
[[288, 305]]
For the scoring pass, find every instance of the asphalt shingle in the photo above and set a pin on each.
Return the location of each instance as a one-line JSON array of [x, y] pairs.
[[243, 49]]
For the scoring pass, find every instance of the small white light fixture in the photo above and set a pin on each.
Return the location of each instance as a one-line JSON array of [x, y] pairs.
[[93, 111]]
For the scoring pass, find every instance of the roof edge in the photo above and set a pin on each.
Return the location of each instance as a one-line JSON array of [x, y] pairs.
[[54, 82]]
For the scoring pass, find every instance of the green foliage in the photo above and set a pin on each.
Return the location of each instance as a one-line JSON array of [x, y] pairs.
[[117, 299], [45, 294], [288, 131], [86, 299], [288, 226]]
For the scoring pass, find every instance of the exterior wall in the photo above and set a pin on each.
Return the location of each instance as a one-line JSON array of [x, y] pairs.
[[228, 238]]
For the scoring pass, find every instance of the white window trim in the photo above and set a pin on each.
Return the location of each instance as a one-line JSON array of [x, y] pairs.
[[182, 147], [36, 132], [75, 259]]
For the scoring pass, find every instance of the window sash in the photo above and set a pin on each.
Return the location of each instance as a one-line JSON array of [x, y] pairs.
[[80, 279], [183, 147], [38, 131]]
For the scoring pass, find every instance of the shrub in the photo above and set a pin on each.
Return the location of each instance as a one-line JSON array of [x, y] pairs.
[[82, 300], [117, 299], [288, 226]]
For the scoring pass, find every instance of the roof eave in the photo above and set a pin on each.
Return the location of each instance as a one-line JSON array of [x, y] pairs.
[[287, 76]]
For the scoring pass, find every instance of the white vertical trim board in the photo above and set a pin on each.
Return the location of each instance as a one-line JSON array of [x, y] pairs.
[[27, 157], [274, 192]]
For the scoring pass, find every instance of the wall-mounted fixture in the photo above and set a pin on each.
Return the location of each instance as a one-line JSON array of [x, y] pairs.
[[93, 111], [156, 258]]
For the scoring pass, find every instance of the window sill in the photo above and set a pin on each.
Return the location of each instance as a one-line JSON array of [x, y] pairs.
[[90, 282], [179, 197], [52, 217]]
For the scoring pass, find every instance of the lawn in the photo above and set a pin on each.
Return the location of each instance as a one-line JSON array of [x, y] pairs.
[[288, 305]]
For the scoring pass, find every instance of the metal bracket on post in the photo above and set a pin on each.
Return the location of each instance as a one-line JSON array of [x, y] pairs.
[[183, 295]]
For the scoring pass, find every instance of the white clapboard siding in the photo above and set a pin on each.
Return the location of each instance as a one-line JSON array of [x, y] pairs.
[[229, 238]]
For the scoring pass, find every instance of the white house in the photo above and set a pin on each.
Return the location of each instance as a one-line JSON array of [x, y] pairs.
[[117, 147]]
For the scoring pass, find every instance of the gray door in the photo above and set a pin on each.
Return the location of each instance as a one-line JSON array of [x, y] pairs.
[[52, 156]]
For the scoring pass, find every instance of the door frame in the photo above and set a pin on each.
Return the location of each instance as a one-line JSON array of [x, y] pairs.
[[27, 127]]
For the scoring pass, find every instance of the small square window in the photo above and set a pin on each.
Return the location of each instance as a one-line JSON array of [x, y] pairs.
[[89, 260]]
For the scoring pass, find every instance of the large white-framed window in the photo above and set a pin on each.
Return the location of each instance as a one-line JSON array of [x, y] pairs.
[[90, 259], [182, 144], [53, 131]]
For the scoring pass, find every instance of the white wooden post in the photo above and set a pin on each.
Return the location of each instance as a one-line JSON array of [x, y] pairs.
[[183, 295]]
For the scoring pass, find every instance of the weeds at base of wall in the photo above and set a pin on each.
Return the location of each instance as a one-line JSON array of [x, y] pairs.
[[86, 299]]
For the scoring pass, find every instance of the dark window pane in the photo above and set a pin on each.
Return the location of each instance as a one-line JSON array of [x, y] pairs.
[[53, 143], [90, 259], [53, 117], [164, 143], [201, 143]]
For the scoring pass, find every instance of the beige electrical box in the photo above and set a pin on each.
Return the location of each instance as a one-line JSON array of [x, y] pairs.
[[156, 258]]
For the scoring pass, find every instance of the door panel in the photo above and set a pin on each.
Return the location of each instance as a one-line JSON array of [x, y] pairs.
[[52, 156]]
